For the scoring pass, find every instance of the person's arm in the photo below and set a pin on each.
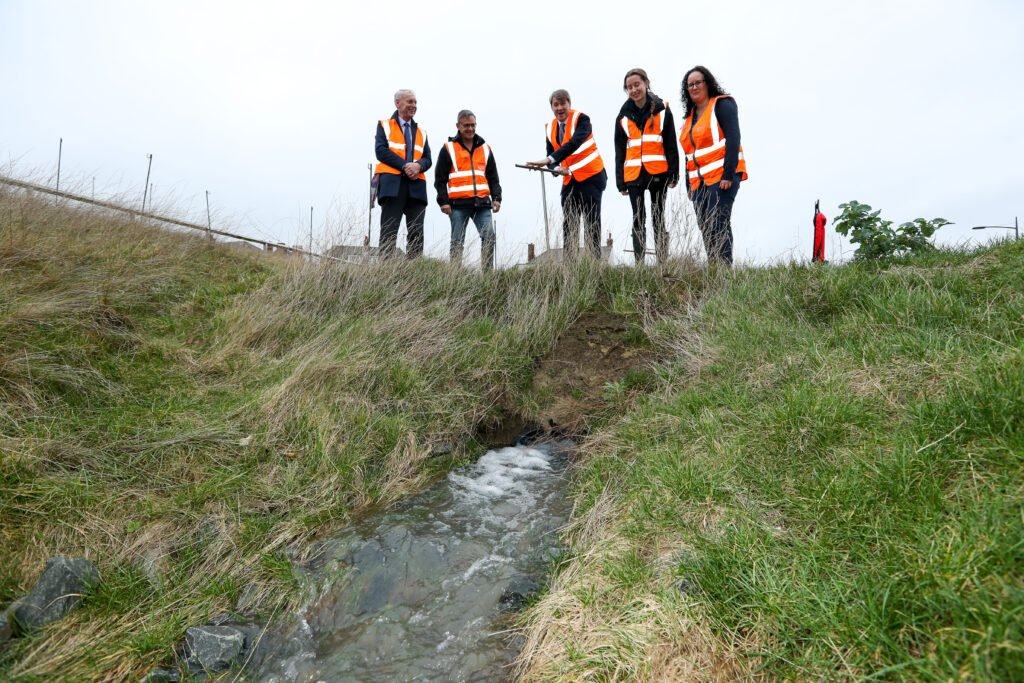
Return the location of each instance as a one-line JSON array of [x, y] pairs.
[[668, 141], [383, 151], [546, 161], [491, 173], [441, 172], [729, 119], [426, 161], [620, 155]]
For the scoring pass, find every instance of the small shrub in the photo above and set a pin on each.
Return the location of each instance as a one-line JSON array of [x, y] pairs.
[[876, 239]]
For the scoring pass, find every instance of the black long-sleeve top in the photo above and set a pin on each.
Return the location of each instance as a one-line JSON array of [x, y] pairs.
[[639, 116], [443, 168]]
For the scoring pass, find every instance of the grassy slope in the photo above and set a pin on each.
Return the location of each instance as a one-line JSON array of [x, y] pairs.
[[832, 463], [833, 476], [187, 416]]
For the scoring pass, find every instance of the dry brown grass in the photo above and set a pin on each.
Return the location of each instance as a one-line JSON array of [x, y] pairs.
[[187, 417], [590, 626]]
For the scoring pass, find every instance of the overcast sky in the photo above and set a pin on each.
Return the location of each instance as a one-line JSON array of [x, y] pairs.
[[912, 107]]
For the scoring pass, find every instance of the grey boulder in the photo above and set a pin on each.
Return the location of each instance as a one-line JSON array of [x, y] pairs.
[[212, 648], [59, 589], [161, 675], [5, 629]]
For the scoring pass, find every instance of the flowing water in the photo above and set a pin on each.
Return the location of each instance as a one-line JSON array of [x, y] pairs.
[[417, 593]]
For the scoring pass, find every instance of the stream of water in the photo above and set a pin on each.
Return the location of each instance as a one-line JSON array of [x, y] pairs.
[[417, 593]]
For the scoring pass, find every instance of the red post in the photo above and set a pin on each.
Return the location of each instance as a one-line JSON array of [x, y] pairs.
[[530, 255], [819, 236]]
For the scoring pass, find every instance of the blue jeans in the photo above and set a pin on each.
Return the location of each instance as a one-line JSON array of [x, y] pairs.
[[481, 216]]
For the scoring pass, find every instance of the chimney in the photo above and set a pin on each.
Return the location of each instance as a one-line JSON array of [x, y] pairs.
[[530, 253]]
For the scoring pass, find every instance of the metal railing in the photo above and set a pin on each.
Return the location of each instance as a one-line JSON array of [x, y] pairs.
[[268, 246]]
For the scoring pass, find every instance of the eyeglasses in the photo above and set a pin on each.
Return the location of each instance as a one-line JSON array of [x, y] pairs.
[[695, 84]]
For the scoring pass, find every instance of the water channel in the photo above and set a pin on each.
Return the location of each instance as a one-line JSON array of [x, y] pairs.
[[418, 593]]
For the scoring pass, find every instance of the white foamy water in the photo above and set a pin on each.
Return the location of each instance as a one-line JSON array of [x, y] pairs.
[[418, 590]]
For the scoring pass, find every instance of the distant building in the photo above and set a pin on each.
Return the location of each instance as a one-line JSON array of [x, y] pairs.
[[358, 254], [555, 255], [241, 244]]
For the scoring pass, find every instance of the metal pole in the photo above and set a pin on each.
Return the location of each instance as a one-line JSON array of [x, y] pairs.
[[311, 230], [151, 197], [544, 198], [369, 214], [60, 153], [209, 222], [1016, 229], [145, 188]]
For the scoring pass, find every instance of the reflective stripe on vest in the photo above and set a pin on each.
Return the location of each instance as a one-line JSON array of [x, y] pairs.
[[585, 162], [705, 156], [645, 149], [468, 175], [396, 142]]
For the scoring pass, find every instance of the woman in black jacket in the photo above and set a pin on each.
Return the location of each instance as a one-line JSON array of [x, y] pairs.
[[646, 159]]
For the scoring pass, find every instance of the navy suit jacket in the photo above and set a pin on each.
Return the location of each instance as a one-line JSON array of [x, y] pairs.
[[389, 182]]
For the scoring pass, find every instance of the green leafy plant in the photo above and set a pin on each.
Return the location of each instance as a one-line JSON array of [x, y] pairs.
[[877, 239]]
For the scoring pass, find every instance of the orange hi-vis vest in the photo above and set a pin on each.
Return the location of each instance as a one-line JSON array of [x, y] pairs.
[[396, 141], [644, 148], [585, 162], [705, 156], [467, 177]]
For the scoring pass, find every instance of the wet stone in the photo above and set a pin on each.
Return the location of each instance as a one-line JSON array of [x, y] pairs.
[[377, 593], [59, 589], [514, 597], [440, 449], [370, 554], [161, 675], [213, 648], [5, 629]]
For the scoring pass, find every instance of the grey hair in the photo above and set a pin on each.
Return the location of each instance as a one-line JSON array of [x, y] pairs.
[[464, 114], [560, 94], [400, 94]]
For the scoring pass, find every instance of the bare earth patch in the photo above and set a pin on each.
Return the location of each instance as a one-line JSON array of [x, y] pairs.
[[591, 354]]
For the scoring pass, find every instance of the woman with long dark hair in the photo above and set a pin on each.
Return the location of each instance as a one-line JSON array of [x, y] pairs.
[[710, 136], [646, 159]]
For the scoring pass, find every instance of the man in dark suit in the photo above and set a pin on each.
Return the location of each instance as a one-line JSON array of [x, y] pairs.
[[572, 154], [403, 157]]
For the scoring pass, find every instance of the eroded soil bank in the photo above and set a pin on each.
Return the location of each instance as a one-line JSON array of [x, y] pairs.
[[570, 383]]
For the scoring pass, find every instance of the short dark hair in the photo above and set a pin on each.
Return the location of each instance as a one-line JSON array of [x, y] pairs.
[[714, 89], [560, 94]]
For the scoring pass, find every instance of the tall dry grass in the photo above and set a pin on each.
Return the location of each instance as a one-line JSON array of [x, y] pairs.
[[189, 416]]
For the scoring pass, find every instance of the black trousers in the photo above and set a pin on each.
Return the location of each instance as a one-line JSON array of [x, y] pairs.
[[576, 206], [713, 207], [391, 211], [658, 187]]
